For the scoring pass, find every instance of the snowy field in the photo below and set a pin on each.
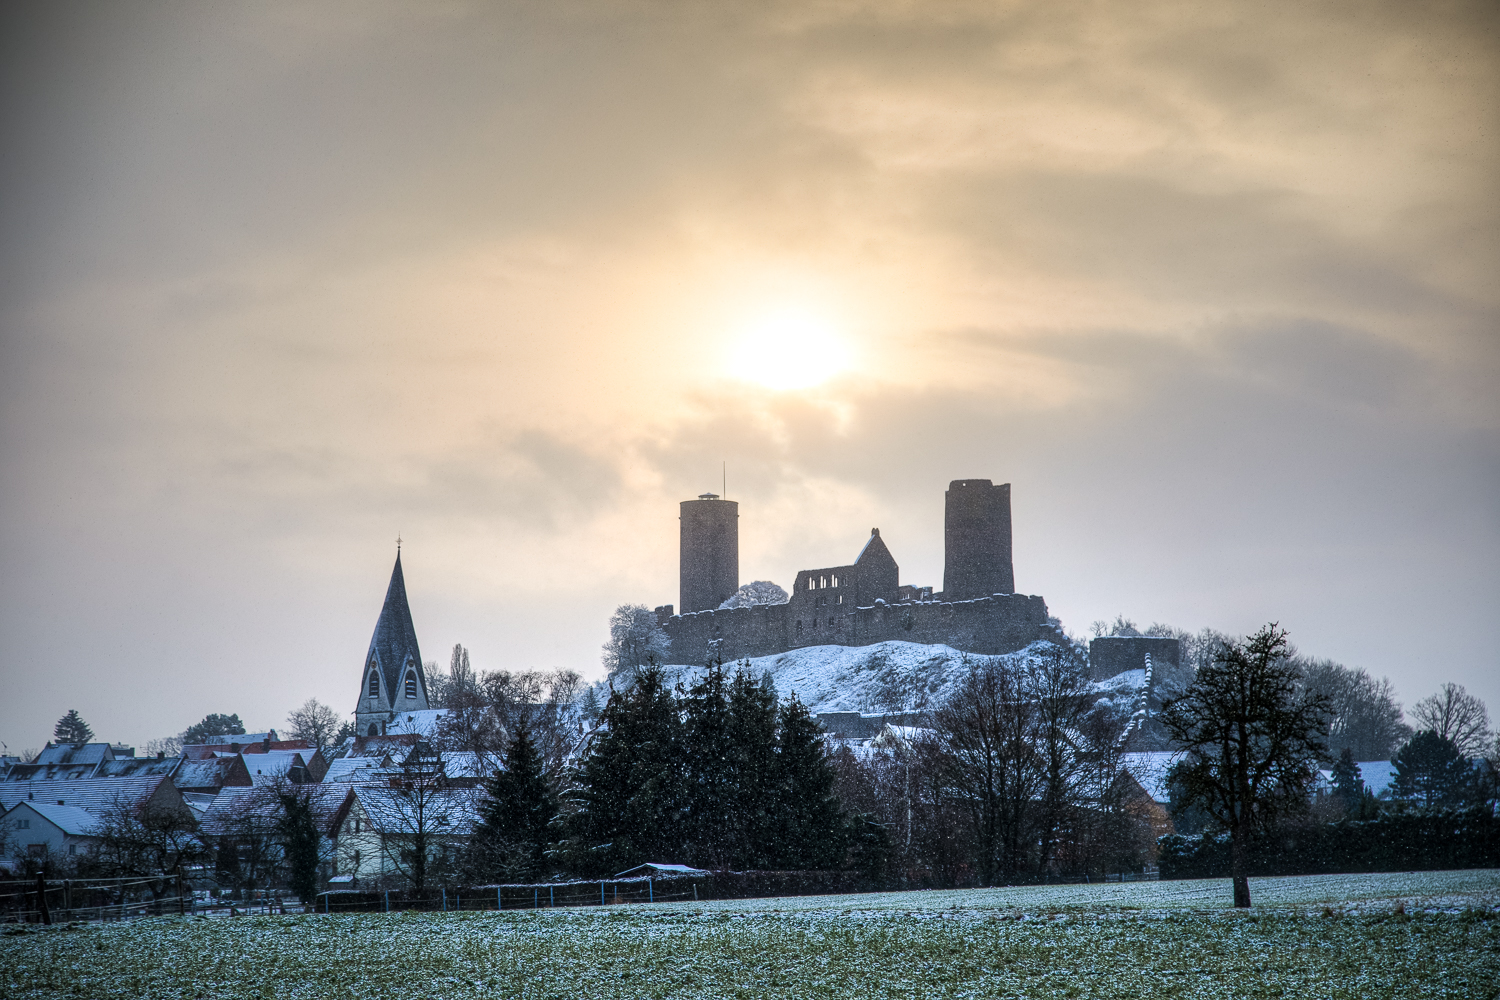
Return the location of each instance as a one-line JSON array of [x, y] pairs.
[[1431, 934]]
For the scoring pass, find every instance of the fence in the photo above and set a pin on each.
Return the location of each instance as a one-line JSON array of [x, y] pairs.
[[527, 896], [43, 900]]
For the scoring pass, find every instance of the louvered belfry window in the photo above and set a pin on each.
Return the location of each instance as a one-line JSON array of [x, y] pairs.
[[374, 684], [411, 685]]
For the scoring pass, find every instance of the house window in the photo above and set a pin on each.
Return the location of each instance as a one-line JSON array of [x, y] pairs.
[[356, 859], [73, 849], [23, 824], [356, 826], [411, 685], [374, 684], [37, 850]]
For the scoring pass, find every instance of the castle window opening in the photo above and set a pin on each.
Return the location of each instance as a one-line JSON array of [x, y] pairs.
[[835, 581]]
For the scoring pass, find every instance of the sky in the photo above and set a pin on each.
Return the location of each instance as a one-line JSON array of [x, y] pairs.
[[1212, 286]]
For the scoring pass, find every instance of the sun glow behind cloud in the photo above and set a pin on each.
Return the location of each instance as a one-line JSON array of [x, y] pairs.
[[789, 349]]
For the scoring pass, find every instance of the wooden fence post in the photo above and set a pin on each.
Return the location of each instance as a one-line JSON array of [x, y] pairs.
[[41, 898]]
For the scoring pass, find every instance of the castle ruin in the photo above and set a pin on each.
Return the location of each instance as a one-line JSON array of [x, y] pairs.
[[862, 603]]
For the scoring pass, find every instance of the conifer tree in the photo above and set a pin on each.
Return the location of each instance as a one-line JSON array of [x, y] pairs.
[[751, 750], [72, 729], [712, 795], [631, 795], [811, 831], [515, 822], [1431, 771], [298, 830]]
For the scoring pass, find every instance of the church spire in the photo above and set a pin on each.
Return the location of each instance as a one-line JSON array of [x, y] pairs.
[[394, 658]]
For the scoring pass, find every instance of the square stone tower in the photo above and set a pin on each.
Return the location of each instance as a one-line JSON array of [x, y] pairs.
[[976, 540], [710, 552]]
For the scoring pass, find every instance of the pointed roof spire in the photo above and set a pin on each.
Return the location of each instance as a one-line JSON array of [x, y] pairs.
[[394, 643]]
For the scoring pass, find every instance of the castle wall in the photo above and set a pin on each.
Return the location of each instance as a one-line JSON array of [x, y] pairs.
[[989, 625]]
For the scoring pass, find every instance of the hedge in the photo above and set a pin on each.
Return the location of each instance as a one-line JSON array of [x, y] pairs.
[[1410, 841]]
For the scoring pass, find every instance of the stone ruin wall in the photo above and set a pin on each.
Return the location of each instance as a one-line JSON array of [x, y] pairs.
[[1002, 623]]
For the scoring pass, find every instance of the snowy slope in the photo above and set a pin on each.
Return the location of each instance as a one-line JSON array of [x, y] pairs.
[[886, 677]]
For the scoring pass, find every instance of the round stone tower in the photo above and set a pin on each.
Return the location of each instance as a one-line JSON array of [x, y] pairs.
[[710, 568], [976, 537]]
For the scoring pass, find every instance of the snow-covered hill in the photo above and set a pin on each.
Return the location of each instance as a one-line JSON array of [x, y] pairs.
[[887, 677]]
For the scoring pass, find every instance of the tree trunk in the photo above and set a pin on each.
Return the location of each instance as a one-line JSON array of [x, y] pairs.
[[1238, 868]]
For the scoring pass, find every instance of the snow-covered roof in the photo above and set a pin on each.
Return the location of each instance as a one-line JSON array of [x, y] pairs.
[[652, 867], [198, 802], [71, 820], [233, 808], [422, 723], [51, 772], [266, 768], [209, 772], [125, 767], [75, 753], [450, 810], [347, 769], [94, 794], [1150, 769]]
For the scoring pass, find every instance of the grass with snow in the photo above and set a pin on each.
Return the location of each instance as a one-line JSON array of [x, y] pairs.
[[1428, 934]]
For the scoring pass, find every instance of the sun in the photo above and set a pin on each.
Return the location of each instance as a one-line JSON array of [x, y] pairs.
[[788, 349]]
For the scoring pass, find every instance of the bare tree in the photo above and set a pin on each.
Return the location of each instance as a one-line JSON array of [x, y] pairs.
[[314, 722], [635, 639], [144, 840], [1366, 717], [423, 823], [987, 733], [1059, 685], [1455, 714], [1251, 740], [166, 746]]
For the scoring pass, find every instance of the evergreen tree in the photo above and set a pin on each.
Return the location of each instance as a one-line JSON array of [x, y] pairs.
[[72, 729], [811, 831], [213, 724], [515, 822], [751, 750], [631, 793], [1432, 772], [298, 830], [712, 793], [1349, 788]]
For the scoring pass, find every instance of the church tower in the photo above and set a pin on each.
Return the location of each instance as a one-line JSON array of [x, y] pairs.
[[393, 680]]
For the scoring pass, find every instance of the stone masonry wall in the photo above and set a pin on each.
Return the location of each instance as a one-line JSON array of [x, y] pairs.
[[1003, 623]]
